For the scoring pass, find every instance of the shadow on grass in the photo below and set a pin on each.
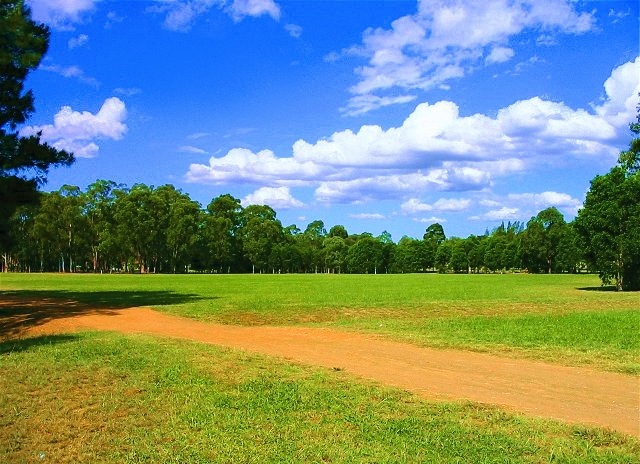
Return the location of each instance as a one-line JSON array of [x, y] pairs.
[[25, 344], [21, 310], [602, 288]]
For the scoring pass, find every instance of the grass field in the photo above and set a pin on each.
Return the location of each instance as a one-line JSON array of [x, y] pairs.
[[567, 319], [102, 397]]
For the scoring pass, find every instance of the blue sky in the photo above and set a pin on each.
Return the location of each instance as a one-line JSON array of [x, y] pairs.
[[377, 115]]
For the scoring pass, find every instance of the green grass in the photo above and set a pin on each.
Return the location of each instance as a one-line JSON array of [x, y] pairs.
[[102, 397], [560, 318]]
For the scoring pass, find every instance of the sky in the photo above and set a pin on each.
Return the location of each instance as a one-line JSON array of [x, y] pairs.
[[375, 115]]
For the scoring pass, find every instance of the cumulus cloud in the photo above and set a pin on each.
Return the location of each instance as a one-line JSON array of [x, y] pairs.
[[540, 201], [436, 149], [414, 205], [276, 197], [523, 206], [500, 54], [78, 132], [60, 14], [242, 165], [447, 39], [501, 214]]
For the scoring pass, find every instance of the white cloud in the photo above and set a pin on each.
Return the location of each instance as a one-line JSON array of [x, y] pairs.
[[622, 89], [374, 216], [242, 8], [294, 30], [180, 15], [78, 131], [71, 72], [79, 41], [414, 205], [276, 197], [618, 15], [500, 55], [540, 201], [242, 165], [192, 149], [523, 206], [435, 149], [430, 220], [127, 91], [198, 135], [502, 214], [364, 103], [447, 39], [60, 13]]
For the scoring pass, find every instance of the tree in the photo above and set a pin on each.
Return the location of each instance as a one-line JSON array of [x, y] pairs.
[[61, 228], [443, 256], [408, 255], [183, 215], [24, 160], [338, 231], [366, 256], [569, 255], [608, 221], [311, 244], [334, 250], [99, 202], [220, 235], [260, 232], [433, 237], [608, 224], [541, 241]]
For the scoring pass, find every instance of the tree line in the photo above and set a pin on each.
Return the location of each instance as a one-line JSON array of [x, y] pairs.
[[113, 228]]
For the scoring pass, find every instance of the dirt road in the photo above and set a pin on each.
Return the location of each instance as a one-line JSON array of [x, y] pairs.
[[577, 395]]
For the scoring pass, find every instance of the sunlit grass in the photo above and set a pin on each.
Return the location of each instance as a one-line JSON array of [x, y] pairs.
[[98, 397], [560, 318]]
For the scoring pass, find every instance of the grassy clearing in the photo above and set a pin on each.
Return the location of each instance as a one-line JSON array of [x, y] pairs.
[[100, 397], [560, 318]]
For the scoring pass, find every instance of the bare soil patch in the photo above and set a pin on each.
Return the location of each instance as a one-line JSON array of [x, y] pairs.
[[571, 394]]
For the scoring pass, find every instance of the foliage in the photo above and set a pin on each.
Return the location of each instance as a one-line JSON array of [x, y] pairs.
[[24, 160], [609, 219], [111, 227]]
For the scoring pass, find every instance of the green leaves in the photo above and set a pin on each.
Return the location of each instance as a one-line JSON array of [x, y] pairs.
[[609, 224]]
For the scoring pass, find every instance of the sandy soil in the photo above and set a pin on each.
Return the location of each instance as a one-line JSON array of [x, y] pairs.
[[571, 394]]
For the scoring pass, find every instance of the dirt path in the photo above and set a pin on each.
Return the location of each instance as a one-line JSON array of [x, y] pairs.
[[578, 395]]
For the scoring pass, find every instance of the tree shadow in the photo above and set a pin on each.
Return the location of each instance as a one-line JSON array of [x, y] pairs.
[[602, 288], [21, 310], [25, 344]]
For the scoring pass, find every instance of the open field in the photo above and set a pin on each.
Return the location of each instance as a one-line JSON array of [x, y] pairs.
[[101, 397], [561, 318], [97, 396]]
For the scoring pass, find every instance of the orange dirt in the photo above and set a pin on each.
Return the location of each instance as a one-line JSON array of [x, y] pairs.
[[571, 394]]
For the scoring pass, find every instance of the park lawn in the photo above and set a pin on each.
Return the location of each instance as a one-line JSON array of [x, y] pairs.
[[565, 319], [105, 397]]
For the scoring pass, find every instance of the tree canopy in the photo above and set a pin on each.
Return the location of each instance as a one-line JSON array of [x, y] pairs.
[[609, 222], [24, 160]]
